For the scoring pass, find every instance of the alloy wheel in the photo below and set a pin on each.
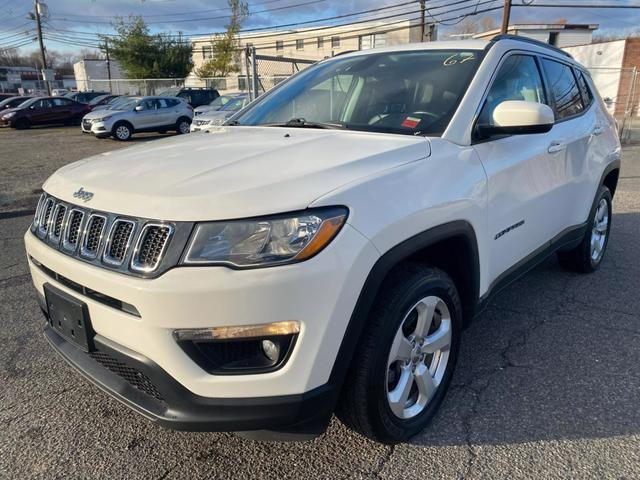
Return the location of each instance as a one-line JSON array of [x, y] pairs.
[[418, 357], [599, 230], [122, 132]]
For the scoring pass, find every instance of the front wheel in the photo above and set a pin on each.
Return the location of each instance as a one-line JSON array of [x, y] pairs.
[[403, 364], [183, 125], [587, 256], [122, 132]]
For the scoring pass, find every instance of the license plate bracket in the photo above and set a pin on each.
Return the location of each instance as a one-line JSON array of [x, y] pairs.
[[69, 317]]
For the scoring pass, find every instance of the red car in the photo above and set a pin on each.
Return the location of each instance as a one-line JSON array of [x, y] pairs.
[[44, 111]]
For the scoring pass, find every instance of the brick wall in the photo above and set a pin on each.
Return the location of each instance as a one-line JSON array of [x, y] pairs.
[[630, 59]]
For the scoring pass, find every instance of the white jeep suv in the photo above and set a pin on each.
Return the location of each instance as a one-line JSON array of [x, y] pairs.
[[324, 251]]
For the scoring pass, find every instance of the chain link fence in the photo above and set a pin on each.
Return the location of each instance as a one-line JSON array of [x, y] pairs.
[[619, 88], [263, 72]]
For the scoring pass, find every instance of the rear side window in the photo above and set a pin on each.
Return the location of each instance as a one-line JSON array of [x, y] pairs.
[[517, 79], [587, 95], [564, 89]]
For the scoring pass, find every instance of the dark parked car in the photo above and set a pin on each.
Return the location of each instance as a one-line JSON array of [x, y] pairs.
[[85, 97], [192, 95], [102, 100], [12, 102], [44, 111]]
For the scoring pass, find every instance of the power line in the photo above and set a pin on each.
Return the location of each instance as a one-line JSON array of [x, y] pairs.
[[200, 19], [574, 5], [172, 14]]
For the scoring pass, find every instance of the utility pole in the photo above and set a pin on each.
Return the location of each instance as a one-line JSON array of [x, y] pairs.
[[40, 41], [505, 16], [106, 51], [422, 19]]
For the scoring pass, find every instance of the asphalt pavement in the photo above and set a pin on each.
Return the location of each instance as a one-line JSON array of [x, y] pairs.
[[547, 385]]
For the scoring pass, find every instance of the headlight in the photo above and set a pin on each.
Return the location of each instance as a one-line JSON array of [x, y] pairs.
[[103, 119], [265, 241], [9, 115]]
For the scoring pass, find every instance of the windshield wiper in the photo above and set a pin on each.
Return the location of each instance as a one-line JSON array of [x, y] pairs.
[[303, 123]]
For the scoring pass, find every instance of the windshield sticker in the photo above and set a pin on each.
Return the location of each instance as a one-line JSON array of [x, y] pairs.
[[410, 122], [459, 58]]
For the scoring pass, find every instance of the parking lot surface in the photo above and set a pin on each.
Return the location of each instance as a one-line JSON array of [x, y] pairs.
[[547, 385]]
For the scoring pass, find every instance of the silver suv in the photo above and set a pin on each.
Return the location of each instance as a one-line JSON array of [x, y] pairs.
[[139, 114]]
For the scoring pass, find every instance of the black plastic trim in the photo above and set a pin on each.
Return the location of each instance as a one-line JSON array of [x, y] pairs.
[[380, 271], [308, 413]]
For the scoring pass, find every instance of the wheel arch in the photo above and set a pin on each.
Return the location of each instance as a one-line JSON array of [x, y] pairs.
[[610, 177], [120, 122], [452, 247]]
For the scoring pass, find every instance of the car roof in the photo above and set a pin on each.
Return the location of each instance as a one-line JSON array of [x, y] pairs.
[[508, 41]]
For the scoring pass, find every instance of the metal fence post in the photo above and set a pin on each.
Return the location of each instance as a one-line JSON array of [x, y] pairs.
[[254, 74]]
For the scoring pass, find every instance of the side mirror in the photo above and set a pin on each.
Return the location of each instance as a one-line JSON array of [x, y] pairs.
[[139, 108], [518, 117]]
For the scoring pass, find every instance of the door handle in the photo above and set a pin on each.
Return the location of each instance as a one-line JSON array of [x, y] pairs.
[[555, 147], [598, 130]]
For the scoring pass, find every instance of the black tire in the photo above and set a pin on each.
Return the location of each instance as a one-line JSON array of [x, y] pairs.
[[119, 131], [22, 124], [581, 258], [363, 405], [180, 129]]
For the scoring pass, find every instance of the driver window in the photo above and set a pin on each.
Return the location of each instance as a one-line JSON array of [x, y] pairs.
[[517, 79]]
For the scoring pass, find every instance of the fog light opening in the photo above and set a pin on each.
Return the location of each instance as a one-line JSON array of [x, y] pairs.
[[271, 350]]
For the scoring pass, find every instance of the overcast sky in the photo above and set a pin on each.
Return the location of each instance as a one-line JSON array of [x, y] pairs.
[[202, 16]]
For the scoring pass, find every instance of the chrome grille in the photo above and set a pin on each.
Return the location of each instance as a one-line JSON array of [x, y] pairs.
[[58, 222], [108, 240], [93, 235], [72, 233], [118, 241], [45, 215], [151, 245]]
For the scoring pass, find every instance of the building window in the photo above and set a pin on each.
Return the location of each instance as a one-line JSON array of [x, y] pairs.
[[374, 40], [300, 44], [279, 45], [207, 51], [320, 42], [335, 42]]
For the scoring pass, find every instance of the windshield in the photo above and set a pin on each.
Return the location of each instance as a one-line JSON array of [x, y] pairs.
[[98, 99], [27, 103], [234, 104], [410, 92], [127, 104], [171, 92]]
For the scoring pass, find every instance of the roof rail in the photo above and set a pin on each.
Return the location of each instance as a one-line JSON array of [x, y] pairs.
[[507, 36]]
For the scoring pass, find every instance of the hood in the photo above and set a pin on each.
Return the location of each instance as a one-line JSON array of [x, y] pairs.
[[9, 110], [102, 112], [232, 172], [216, 115], [205, 109]]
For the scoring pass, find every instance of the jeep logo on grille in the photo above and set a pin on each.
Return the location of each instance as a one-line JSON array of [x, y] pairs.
[[82, 194]]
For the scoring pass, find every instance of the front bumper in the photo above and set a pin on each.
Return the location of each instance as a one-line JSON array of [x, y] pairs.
[[99, 129], [142, 385], [320, 293]]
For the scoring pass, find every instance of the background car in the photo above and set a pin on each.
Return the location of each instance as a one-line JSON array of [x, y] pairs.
[[139, 114], [85, 97], [44, 111], [194, 96], [211, 119], [12, 102], [112, 102], [214, 106], [102, 100], [59, 92]]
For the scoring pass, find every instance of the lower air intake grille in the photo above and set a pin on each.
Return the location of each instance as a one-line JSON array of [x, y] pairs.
[[134, 377], [153, 240]]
